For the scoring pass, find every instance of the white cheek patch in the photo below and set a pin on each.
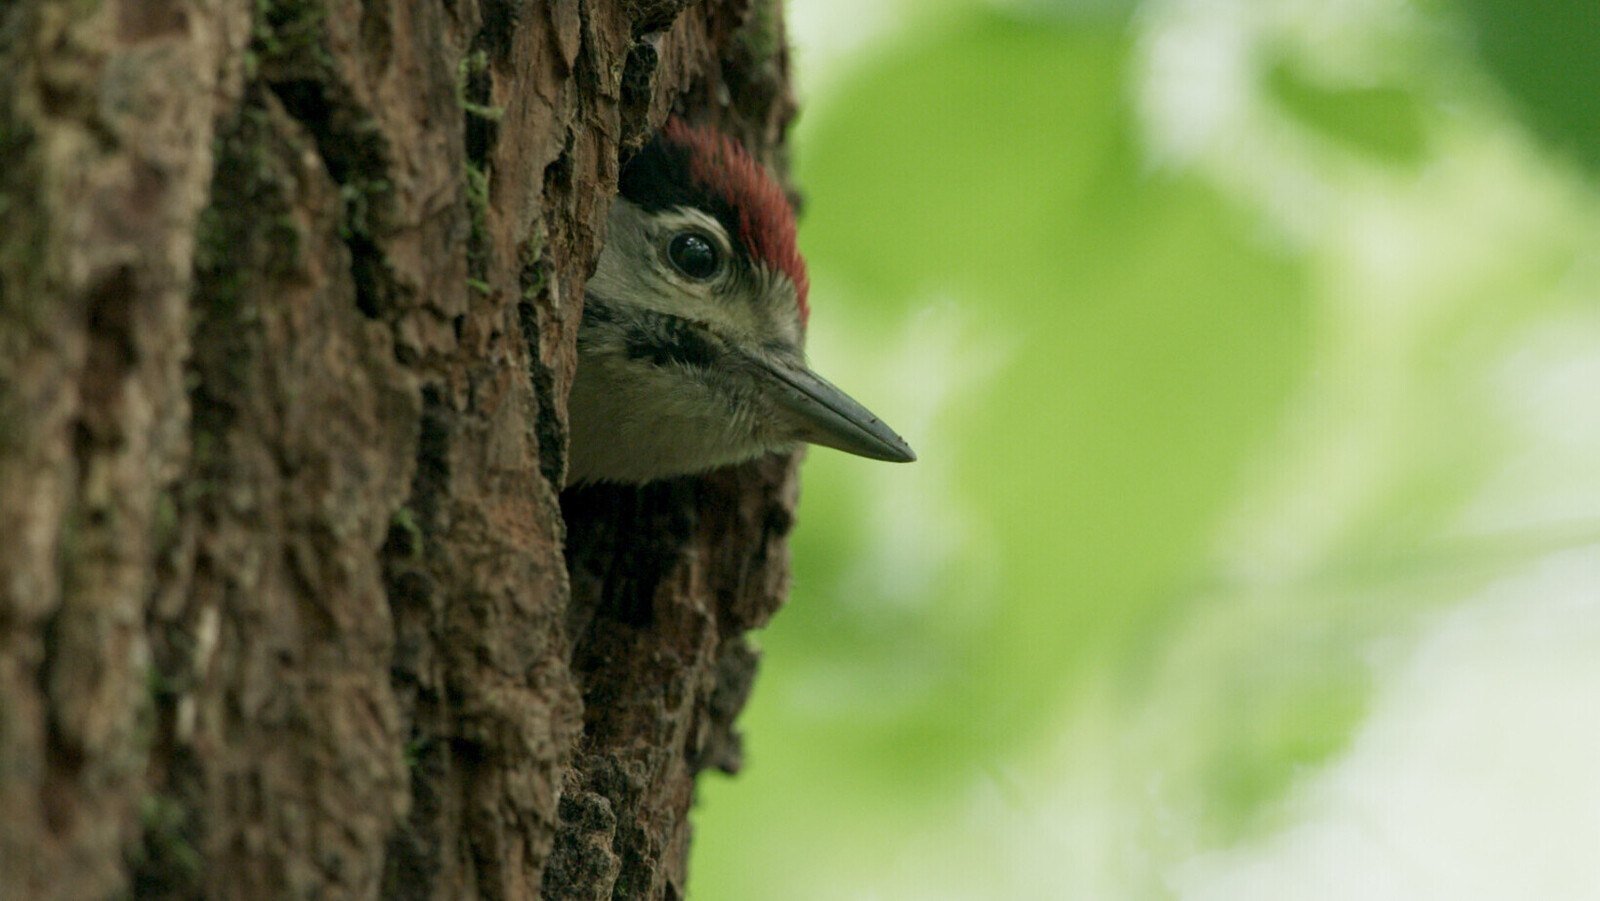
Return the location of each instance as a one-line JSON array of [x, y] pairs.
[[749, 304]]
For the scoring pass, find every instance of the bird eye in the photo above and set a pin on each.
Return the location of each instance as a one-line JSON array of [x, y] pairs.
[[694, 255]]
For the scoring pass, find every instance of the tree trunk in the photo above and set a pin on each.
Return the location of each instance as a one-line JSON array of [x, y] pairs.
[[288, 603]]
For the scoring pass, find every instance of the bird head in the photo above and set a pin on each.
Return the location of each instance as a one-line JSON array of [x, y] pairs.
[[690, 353]]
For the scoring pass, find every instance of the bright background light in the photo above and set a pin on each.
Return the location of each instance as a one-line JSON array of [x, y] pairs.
[[1252, 351]]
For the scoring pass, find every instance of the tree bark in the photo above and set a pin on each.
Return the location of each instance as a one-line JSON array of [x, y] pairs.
[[290, 603]]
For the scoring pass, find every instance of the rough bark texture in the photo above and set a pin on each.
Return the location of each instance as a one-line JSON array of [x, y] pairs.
[[288, 604]]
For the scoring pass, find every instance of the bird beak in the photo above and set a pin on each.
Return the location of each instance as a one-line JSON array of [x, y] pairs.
[[827, 416]]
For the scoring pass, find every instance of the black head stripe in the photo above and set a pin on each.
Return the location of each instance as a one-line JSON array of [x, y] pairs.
[[657, 178], [668, 341]]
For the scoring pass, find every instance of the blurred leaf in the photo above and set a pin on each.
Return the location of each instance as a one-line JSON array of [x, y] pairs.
[[1547, 57], [998, 162], [1382, 121], [1156, 336], [1294, 713], [1123, 654]]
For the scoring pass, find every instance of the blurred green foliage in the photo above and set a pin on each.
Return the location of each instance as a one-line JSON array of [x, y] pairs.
[[1546, 55], [1154, 339], [1382, 120], [1137, 371]]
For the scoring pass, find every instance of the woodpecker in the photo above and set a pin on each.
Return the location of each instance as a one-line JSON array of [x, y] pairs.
[[690, 351]]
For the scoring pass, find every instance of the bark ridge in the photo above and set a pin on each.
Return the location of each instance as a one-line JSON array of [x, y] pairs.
[[289, 601]]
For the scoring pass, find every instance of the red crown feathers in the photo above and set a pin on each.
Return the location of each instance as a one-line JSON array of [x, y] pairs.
[[724, 171]]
